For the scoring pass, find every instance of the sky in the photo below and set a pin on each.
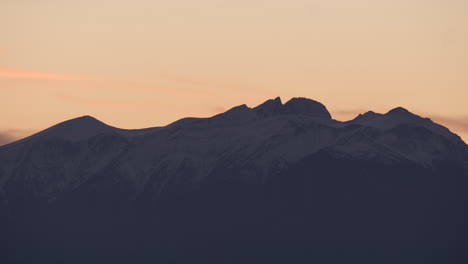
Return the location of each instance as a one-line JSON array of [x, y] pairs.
[[145, 63]]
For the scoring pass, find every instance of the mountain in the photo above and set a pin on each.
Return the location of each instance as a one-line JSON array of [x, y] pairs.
[[277, 182]]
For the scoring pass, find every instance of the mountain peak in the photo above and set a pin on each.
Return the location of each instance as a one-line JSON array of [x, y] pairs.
[[237, 113], [278, 99], [239, 108], [76, 129], [270, 107], [82, 121], [398, 111], [295, 106], [367, 115], [304, 106]]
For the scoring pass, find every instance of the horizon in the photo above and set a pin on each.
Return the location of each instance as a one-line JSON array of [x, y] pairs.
[[136, 64]]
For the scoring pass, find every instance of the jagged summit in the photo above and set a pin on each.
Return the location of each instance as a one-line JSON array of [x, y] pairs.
[[270, 107], [295, 106]]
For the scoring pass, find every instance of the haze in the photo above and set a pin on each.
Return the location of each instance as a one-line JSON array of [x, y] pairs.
[[135, 64]]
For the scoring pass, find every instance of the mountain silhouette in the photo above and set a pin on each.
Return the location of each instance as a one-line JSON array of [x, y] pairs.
[[274, 183]]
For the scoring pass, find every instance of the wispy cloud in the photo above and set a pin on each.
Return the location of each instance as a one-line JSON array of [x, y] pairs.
[[233, 85], [346, 114], [459, 124], [218, 109], [11, 135], [6, 138], [12, 73]]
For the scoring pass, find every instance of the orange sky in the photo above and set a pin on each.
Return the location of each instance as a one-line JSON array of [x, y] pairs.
[[144, 63]]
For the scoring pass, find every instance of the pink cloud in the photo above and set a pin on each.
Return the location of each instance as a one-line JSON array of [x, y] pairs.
[[22, 74], [105, 103], [12, 73], [169, 90]]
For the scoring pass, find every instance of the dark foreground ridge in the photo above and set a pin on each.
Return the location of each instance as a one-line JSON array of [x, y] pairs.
[[277, 183]]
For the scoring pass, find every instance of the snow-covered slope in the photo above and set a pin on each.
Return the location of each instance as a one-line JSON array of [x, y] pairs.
[[400, 116], [278, 177], [255, 142]]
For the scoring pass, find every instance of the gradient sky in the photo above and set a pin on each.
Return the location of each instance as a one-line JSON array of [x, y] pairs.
[[142, 63]]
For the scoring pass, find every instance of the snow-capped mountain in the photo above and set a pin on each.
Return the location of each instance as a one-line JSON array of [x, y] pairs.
[[247, 161]]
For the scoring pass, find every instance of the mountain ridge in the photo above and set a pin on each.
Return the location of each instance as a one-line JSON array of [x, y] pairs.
[[271, 107], [276, 178], [269, 133]]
